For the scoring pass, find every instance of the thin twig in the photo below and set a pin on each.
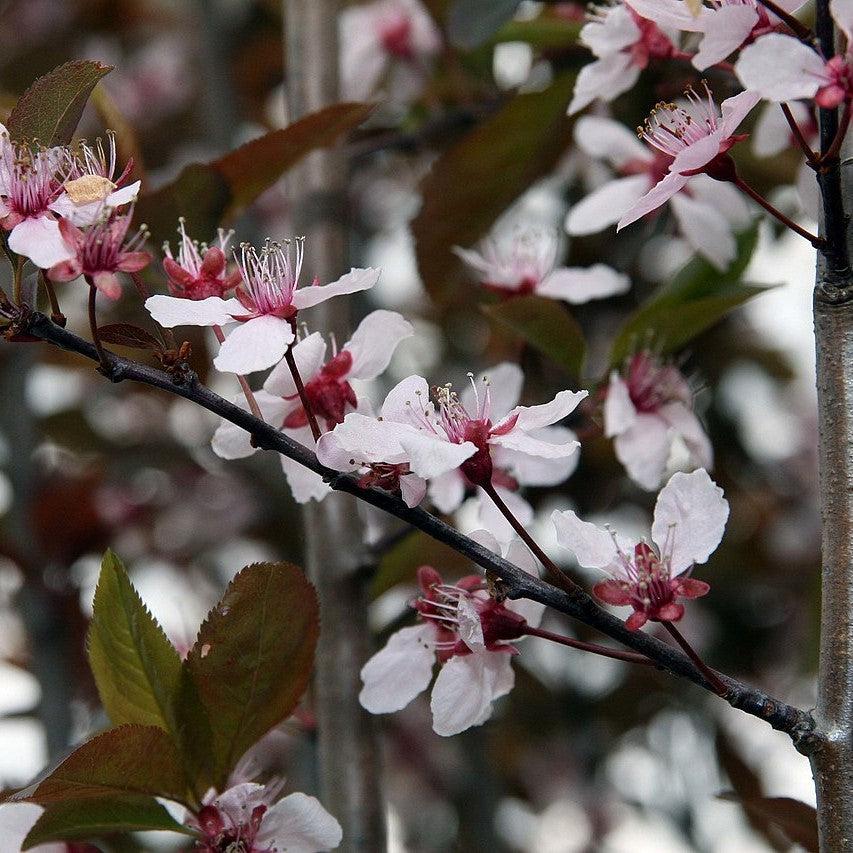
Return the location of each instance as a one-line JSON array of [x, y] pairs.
[[817, 242], [93, 324], [517, 583], [594, 648], [248, 393], [55, 311], [812, 156], [303, 396]]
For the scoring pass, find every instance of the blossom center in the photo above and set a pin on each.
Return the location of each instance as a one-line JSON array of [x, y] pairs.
[[328, 394], [269, 278], [396, 37], [671, 128], [31, 181], [652, 385]]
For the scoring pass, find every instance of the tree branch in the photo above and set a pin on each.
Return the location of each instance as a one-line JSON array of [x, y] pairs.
[[515, 582]]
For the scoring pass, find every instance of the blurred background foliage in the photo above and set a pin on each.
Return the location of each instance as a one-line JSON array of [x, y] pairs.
[[585, 754]]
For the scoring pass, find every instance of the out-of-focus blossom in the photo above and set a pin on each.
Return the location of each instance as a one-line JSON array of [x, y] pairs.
[[707, 211], [100, 251], [525, 263], [623, 43], [199, 270], [780, 67], [327, 386], [391, 41], [89, 188], [16, 821], [246, 818], [689, 520], [468, 633], [697, 138], [267, 301], [725, 25], [30, 182], [645, 411]]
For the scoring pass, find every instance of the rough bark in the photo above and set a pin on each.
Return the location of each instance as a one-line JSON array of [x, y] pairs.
[[349, 755]]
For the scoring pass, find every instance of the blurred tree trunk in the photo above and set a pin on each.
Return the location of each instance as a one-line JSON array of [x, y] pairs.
[[832, 756], [350, 765]]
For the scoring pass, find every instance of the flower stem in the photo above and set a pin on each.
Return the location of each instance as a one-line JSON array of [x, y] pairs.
[[303, 397], [817, 242], [798, 28], [93, 324], [594, 648], [713, 679], [254, 408], [833, 150], [812, 157], [557, 574], [55, 311]]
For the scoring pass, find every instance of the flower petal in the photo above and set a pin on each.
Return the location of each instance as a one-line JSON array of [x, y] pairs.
[[612, 140], [233, 442], [730, 28], [577, 285], [842, 14], [447, 491], [592, 546], [170, 311], [735, 110], [522, 442], [413, 489], [493, 520], [606, 78], [304, 484], [505, 381], [533, 417], [671, 13], [606, 205], [257, 344], [366, 439], [429, 455], [352, 282], [374, 342], [698, 154], [705, 229], [617, 31], [298, 824], [690, 517], [464, 690], [40, 240], [309, 355], [780, 68], [534, 470], [399, 672], [619, 411], [658, 195], [644, 449], [406, 399], [684, 421]]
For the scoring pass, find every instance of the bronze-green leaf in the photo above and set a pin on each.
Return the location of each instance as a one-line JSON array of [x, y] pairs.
[[51, 108], [100, 816], [124, 760], [136, 668], [546, 325], [253, 657], [476, 179]]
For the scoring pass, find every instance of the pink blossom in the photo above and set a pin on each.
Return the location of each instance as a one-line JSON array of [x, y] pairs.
[[328, 386], [725, 25], [646, 411], [706, 211], [101, 251], [386, 38], [689, 520], [88, 188], [30, 182], [697, 139], [265, 308], [468, 633], [525, 263], [245, 818], [779, 67], [199, 270], [623, 42]]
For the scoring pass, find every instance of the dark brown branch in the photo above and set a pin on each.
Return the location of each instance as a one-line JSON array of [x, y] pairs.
[[515, 582]]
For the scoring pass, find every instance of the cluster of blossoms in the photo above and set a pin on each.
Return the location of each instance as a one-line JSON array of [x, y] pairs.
[[66, 211]]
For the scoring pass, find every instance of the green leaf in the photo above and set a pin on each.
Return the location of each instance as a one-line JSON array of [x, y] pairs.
[[124, 760], [51, 108], [136, 668], [92, 817], [546, 325], [476, 179], [545, 32], [472, 23], [253, 658], [208, 194], [697, 298]]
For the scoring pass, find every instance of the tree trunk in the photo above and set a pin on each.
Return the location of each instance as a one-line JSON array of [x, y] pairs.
[[349, 749]]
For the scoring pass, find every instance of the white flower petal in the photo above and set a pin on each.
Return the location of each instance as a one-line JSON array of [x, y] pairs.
[[522, 442], [429, 455], [447, 491], [577, 285], [470, 626], [545, 414], [730, 28], [367, 439], [690, 518], [644, 449], [170, 311], [413, 489], [39, 239], [842, 14], [409, 396], [614, 33], [493, 520], [606, 78], [612, 140], [309, 355], [354, 281], [724, 198], [684, 421], [658, 195], [298, 824], [592, 546], [705, 229], [304, 484], [606, 205], [780, 68], [619, 412], [672, 13], [374, 342], [505, 383], [398, 673], [254, 345], [464, 690], [521, 556], [233, 442]]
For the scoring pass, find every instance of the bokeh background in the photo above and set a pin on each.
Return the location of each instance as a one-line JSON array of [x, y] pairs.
[[586, 754]]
